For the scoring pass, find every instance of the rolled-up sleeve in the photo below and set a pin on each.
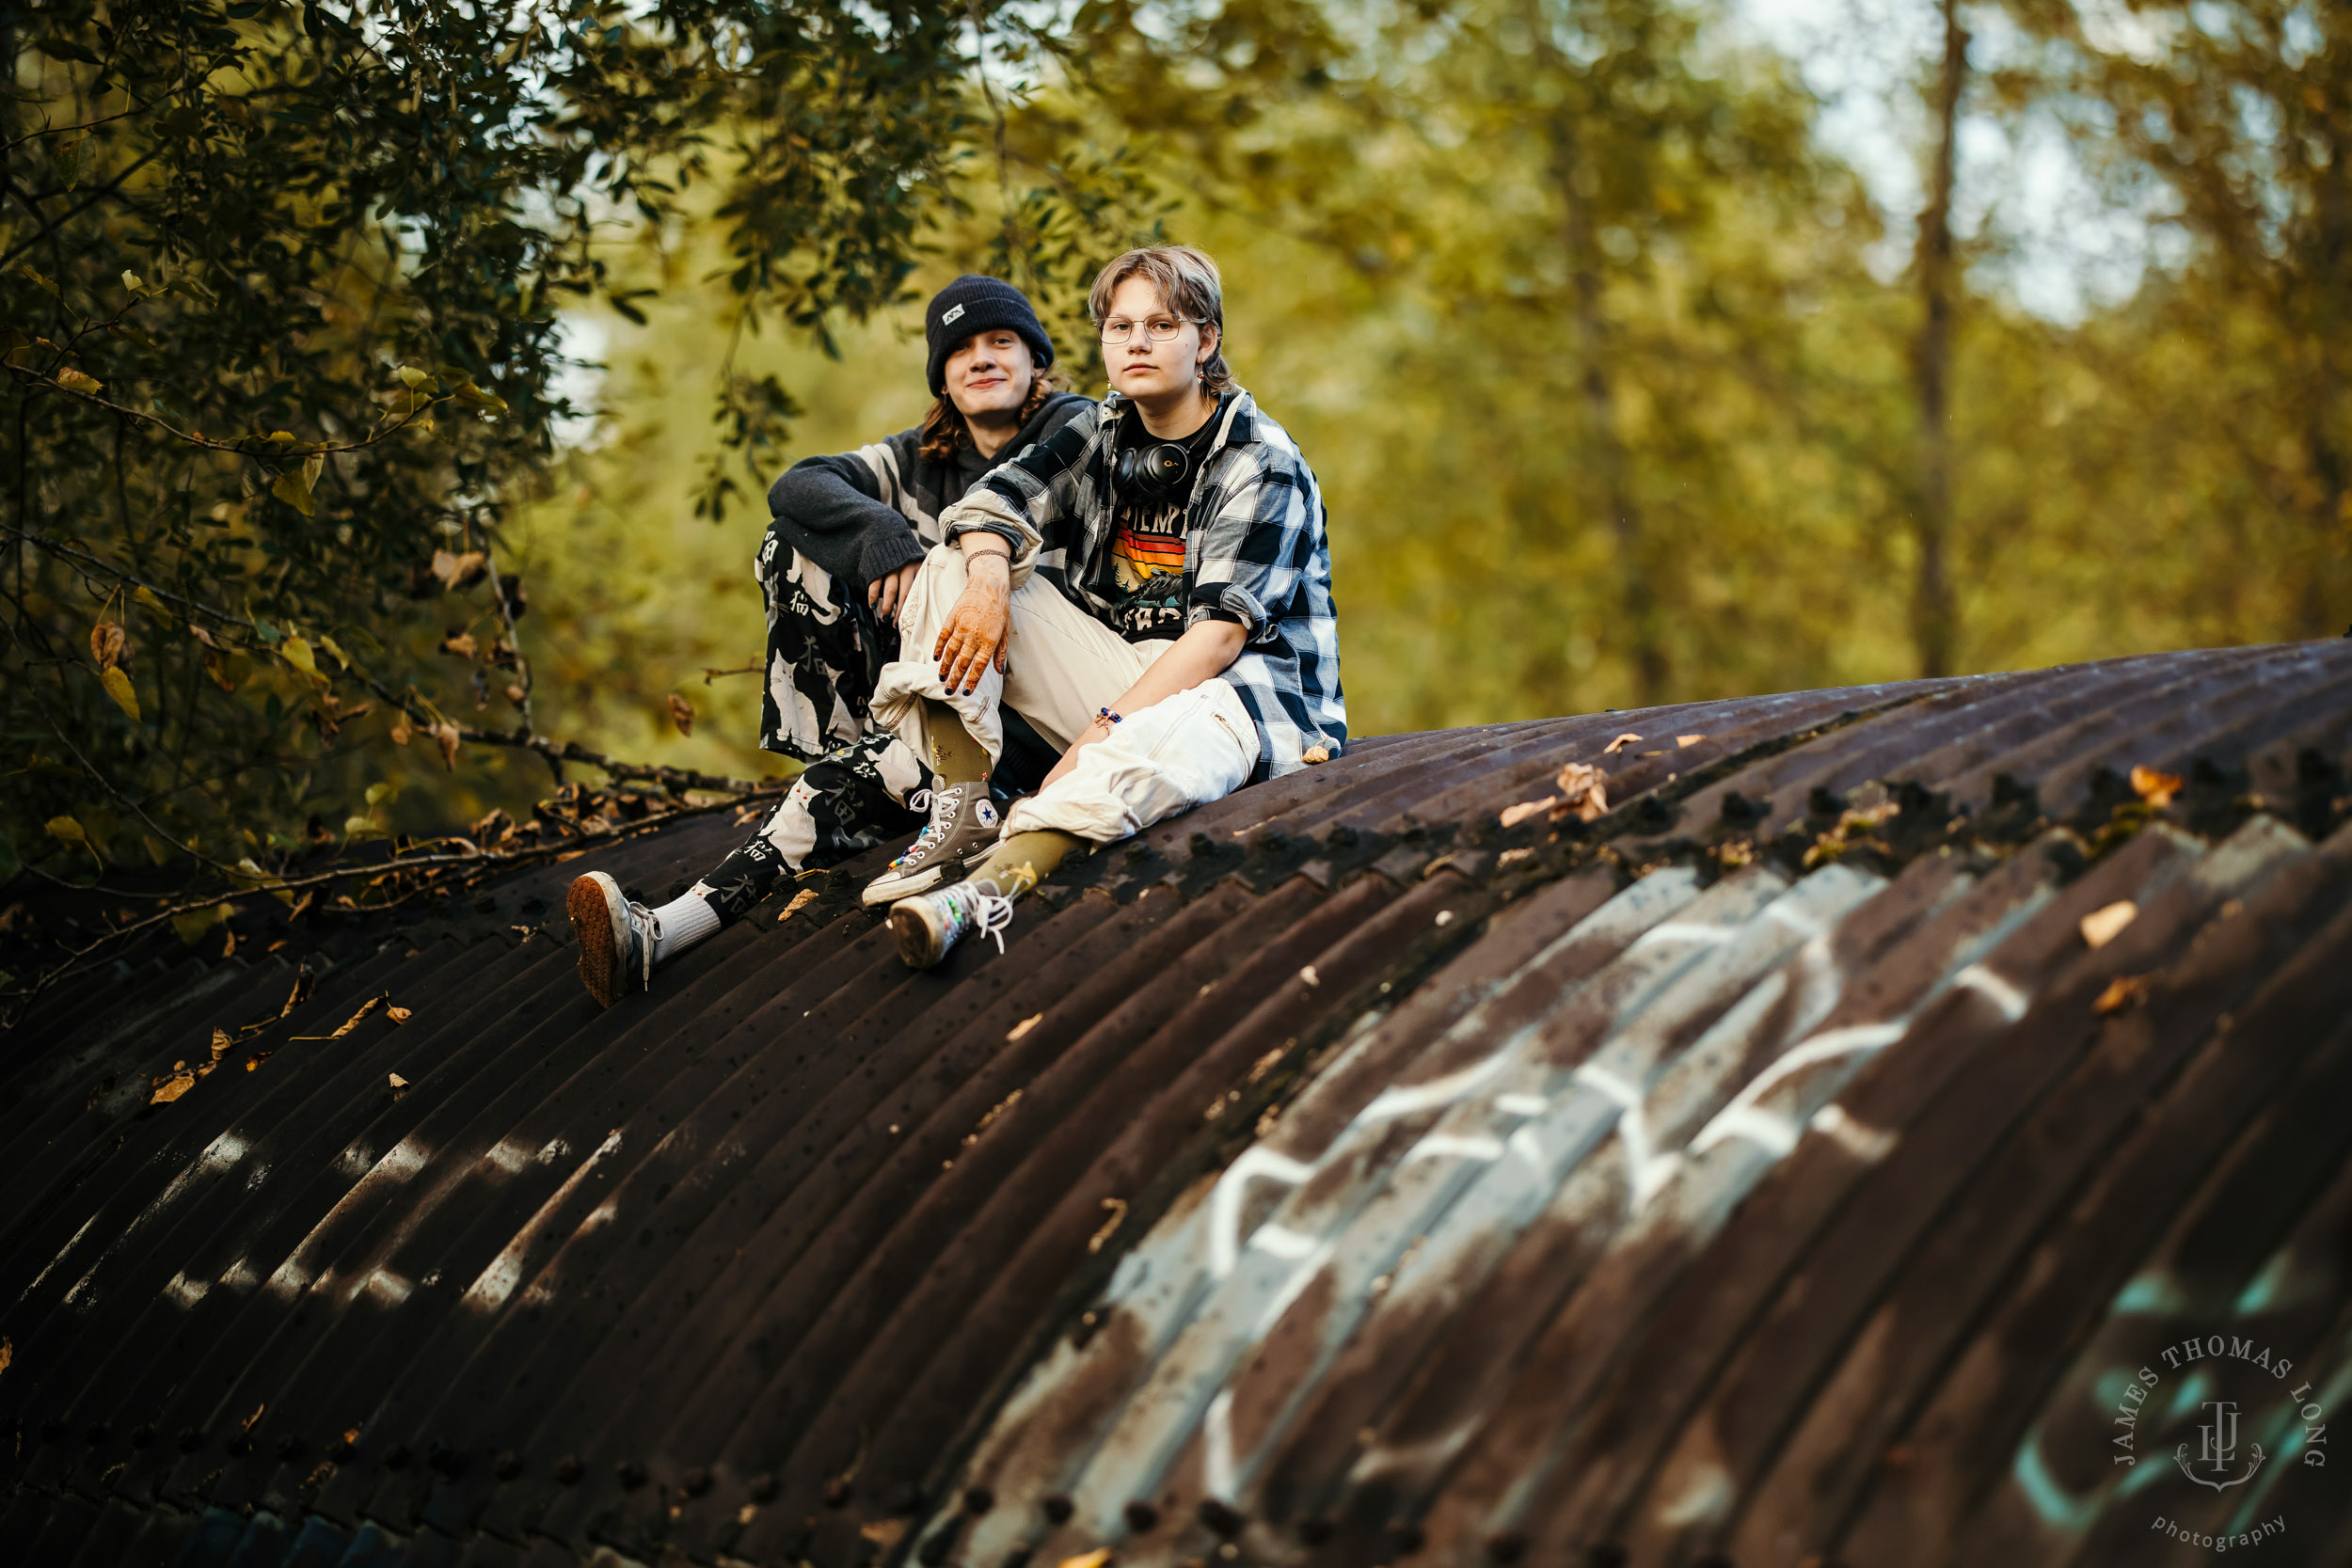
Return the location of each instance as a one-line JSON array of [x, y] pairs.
[[1020, 501], [1252, 555]]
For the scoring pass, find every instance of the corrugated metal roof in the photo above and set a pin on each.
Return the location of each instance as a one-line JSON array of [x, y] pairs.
[[1769, 1170]]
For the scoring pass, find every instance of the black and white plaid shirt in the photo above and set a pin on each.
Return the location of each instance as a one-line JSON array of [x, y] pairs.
[[1254, 554]]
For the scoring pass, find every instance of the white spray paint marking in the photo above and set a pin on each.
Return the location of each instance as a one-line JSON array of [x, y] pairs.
[[1743, 1117], [1299, 1279], [1859, 1138], [1441, 1145], [1217, 1447], [1225, 1203], [489, 1293], [1528, 1147], [1683, 932], [1520, 1104], [2004, 996], [1433, 1096], [1647, 1169], [1281, 1240]]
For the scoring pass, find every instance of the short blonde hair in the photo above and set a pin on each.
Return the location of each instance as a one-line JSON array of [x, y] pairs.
[[1190, 287]]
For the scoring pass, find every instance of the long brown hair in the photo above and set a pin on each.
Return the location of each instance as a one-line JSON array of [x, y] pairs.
[[946, 433]]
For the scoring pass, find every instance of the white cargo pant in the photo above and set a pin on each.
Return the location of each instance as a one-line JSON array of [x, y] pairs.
[[1063, 665]]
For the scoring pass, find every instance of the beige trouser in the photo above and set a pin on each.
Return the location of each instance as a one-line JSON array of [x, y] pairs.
[[1063, 665]]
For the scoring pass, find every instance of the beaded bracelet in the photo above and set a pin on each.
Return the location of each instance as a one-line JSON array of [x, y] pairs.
[[1107, 713]]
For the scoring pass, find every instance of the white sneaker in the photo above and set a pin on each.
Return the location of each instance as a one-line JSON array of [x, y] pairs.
[[930, 923]]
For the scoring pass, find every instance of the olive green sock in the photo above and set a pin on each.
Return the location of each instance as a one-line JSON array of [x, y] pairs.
[[1024, 859], [956, 757]]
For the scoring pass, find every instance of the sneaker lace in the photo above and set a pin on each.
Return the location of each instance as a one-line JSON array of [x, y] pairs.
[[942, 805], [648, 936], [969, 908]]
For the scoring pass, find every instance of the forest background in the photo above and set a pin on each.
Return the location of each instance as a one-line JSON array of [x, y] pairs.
[[393, 384]]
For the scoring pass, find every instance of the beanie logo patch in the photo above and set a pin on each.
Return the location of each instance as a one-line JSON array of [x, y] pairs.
[[949, 318]]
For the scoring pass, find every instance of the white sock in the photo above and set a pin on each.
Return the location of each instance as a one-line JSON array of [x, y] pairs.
[[683, 922]]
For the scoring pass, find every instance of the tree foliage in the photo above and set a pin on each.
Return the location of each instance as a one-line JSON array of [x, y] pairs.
[[282, 288]]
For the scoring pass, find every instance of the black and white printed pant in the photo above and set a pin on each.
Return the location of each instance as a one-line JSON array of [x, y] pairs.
[[824, 650]]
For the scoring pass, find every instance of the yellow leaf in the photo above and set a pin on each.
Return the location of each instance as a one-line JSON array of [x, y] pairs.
[[117, 684], [171, 1085], [411, 378], [78, 381], [294, 488], [2155, 789], [66, 830], [333, 647], [147, 596], [296, 651], [283, 438]]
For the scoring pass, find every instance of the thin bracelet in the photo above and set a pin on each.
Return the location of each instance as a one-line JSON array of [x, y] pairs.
[[1107, 713]]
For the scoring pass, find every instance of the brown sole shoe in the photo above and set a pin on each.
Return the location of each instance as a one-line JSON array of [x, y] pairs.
[[600, 953], [912, 927]]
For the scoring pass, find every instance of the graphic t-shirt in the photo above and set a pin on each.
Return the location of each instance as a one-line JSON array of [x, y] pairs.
[[1148, 538]]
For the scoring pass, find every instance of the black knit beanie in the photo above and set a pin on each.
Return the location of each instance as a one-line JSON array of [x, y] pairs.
[[976, 304]]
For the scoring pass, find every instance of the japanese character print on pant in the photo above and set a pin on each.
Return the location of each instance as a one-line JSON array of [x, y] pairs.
[[847, 802], [824, 649]]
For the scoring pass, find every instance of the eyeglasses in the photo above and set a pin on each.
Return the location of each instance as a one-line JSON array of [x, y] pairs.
[[1161, 329]]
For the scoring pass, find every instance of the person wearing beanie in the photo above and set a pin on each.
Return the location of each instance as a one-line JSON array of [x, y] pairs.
[[846, 535]]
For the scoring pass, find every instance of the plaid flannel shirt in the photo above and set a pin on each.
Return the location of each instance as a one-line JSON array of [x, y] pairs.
[[1255, 555]]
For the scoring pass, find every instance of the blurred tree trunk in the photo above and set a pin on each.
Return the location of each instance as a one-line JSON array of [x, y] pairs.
[[1933, 618]]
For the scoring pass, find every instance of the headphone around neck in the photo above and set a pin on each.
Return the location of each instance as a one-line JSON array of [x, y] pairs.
[[1162, 466]]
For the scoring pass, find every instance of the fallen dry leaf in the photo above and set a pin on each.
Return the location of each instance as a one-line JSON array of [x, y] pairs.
[[1619, 744], [171, 1085], [801, 900], [458, 571], [1584, 791], [1024, 1026], [1687, 741], [882, 1532], [681, 714], [1308, 976], [7, 1352], [1514, 815], [399, 1084], [398, 1015], [1315, 753], [2121, 993], [2101, 927], [221, 1042], [1117, 1208], [353, 1021], [1095, 1559], [2155, 789], [446, 733]]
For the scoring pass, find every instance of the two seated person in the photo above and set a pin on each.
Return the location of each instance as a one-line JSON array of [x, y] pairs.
[[1141, 585]]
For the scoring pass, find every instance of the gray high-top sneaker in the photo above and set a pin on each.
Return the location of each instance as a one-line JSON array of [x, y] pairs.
[[963, 827], [616, 937]]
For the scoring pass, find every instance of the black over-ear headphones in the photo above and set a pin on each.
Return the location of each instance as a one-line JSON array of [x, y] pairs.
[[1162, 466]]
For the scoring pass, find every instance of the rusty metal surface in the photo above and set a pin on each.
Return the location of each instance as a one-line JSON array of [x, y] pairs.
[[1768, 1171]]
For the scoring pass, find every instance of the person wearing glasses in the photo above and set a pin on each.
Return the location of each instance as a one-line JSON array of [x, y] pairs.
[[848, 537], [1159, 570]]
